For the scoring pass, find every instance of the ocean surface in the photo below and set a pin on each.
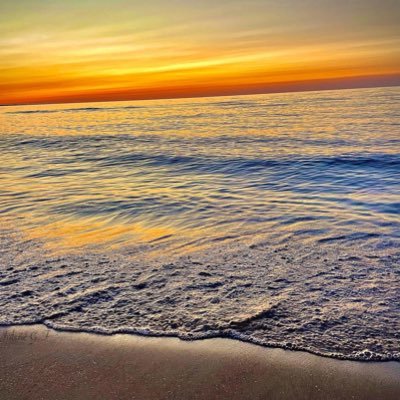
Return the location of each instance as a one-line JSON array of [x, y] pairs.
[[273, 219]]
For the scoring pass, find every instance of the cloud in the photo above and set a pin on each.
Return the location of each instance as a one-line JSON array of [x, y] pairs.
[[51, 47]]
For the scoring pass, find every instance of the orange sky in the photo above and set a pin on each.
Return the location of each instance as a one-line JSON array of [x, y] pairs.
[[58, 51]]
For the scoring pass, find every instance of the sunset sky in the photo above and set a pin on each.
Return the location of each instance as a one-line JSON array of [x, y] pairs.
[[84, 50]]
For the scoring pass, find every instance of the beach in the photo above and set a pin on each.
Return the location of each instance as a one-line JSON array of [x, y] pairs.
[[200, 200], [40, 363], [217, 248]]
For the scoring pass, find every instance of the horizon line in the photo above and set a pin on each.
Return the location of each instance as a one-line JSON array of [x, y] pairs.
[[342, 83]]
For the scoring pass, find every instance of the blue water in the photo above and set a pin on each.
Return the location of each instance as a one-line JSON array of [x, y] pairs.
[[241, 184]]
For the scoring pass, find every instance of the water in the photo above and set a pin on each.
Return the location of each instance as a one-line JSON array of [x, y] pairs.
[[271, 218]]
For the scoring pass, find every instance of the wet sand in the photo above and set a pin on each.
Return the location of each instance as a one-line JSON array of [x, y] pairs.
[[39, 363]]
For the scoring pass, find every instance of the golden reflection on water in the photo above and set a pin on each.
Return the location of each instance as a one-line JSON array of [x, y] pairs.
[[75, 234], [199, 171]]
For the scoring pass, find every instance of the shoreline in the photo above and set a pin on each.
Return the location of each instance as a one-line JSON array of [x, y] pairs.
[[40, 362], [193, 338], [267, 304]]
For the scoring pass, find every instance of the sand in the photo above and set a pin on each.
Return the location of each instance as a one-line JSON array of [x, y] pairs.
[[39, 363]]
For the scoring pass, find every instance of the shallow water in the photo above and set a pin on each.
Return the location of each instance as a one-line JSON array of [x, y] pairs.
[[274, 218]]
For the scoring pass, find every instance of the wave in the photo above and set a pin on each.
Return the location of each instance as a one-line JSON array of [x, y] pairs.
[[222, 164], [293, 301], [229, 165]]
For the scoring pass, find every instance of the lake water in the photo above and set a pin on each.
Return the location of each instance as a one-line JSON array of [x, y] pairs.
[[271, 218]]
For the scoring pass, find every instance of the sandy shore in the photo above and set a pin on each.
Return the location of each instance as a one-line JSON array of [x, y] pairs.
[[38, 363]]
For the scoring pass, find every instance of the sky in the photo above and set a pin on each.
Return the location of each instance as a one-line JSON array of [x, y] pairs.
[[54, 51]]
